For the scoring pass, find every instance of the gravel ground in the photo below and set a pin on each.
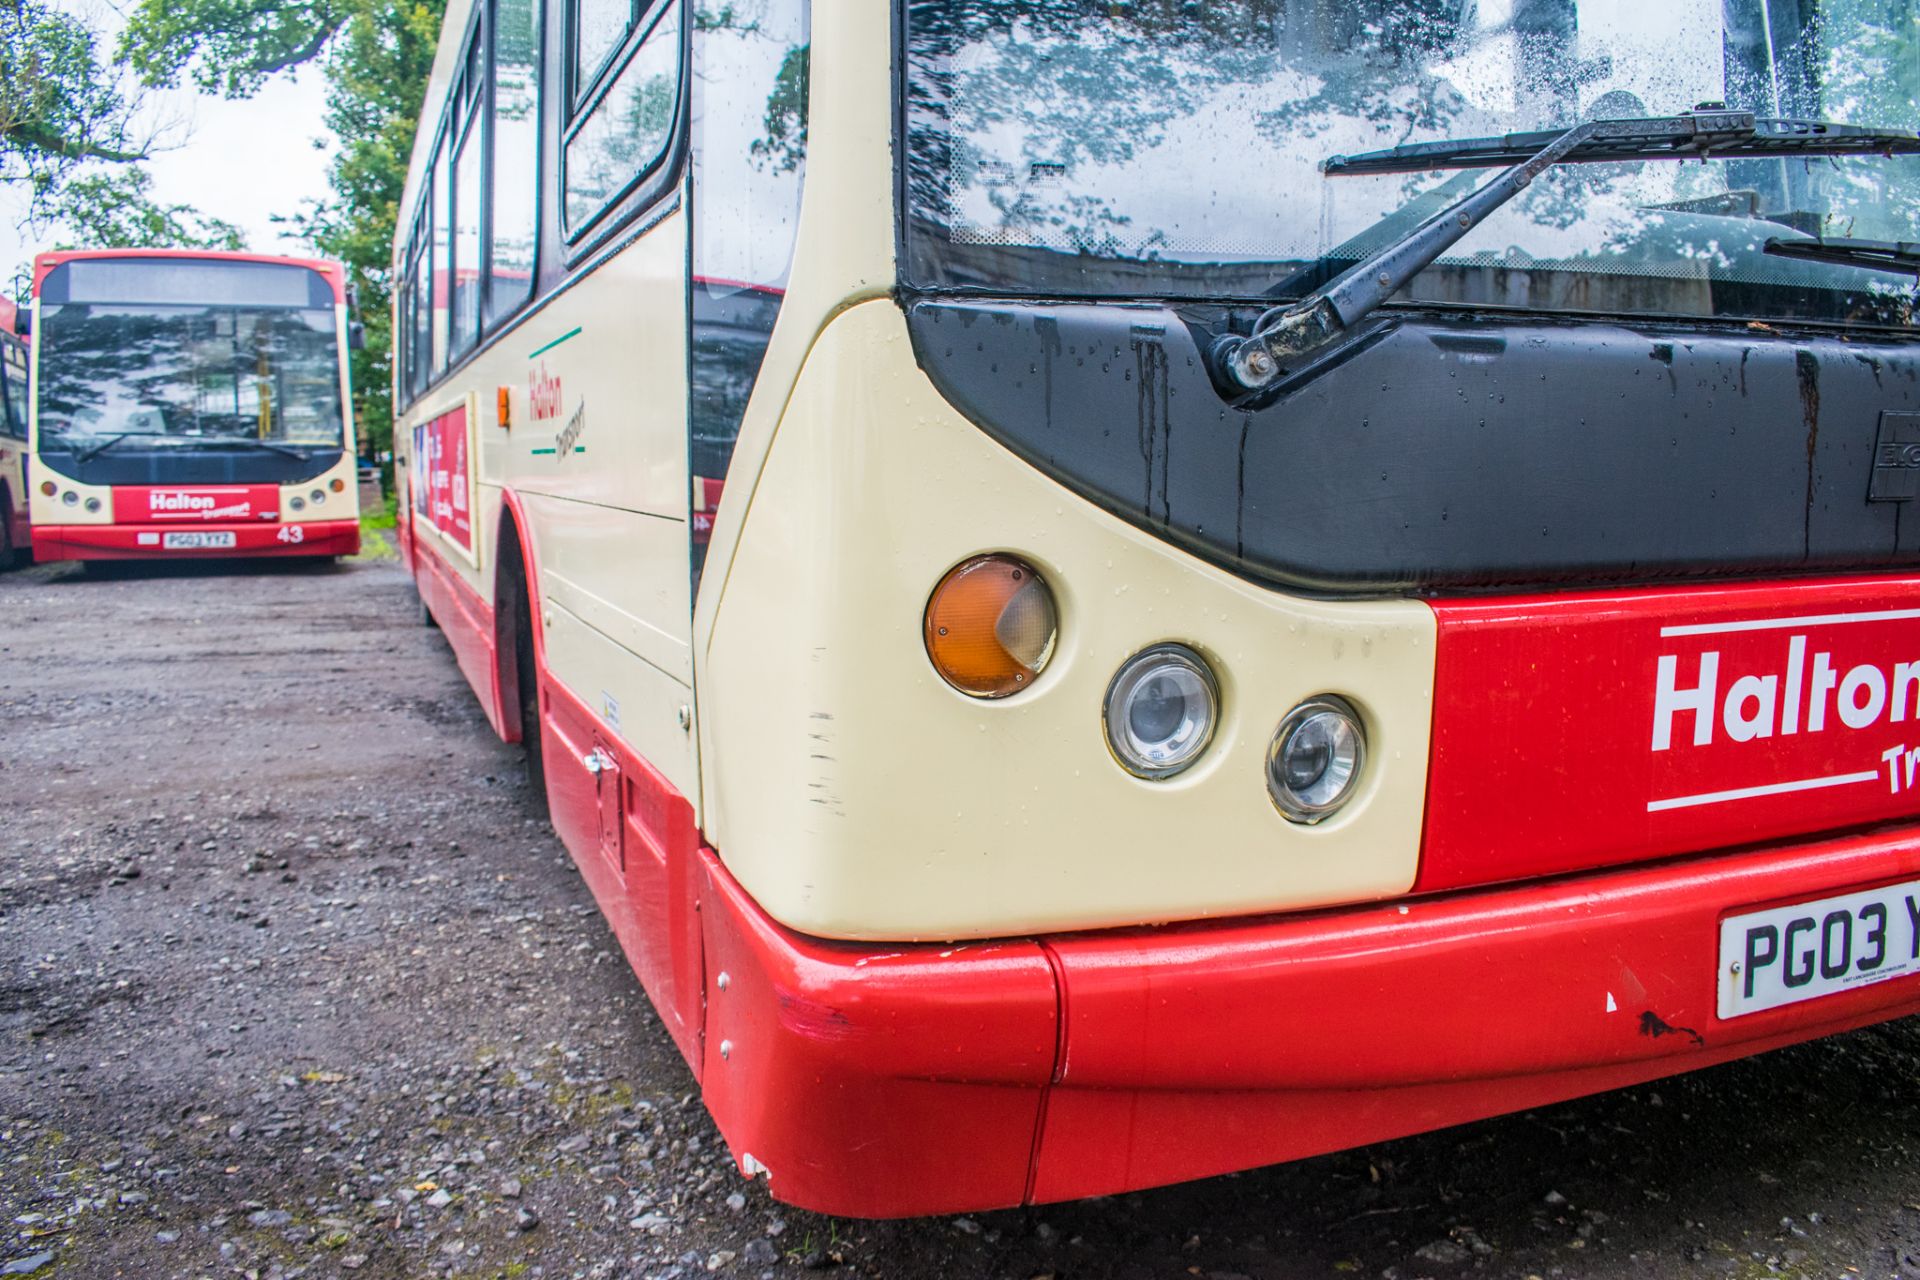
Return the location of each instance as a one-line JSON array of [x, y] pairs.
[[293, 983]]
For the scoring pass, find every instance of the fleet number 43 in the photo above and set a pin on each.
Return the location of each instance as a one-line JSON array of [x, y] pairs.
[[291, 533]]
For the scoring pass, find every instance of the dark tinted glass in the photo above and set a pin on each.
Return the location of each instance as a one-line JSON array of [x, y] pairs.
[[749, 157], [1165, 147]]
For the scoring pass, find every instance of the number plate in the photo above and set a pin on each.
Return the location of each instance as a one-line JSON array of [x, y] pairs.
[[1784, 955], [212, 539]]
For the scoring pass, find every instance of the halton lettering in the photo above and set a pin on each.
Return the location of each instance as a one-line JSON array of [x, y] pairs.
[[1805, 696]]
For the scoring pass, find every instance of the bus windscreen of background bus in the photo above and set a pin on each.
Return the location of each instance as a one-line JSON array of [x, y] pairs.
[[190, 405]]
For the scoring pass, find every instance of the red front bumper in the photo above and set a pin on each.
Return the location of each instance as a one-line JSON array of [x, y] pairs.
[[881, 1081], [148, 542]]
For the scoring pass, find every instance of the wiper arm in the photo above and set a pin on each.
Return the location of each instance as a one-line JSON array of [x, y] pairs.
[[1285, 333], [88, 454]]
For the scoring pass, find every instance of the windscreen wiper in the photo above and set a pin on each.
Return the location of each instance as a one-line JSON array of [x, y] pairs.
[[1285, 333], [88, 454], [1758, 136], [1880, 255]]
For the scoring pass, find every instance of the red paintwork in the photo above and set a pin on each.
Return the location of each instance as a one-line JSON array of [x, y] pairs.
[[1544, 715], [467, 622], [335, 273], [122, 541], [191, 505], [882, 1080]]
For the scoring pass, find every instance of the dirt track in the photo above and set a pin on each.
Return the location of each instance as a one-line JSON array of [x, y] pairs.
[[291, 983]]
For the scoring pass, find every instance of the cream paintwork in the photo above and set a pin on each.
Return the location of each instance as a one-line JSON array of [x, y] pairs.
[[857, 795], [850, 790]]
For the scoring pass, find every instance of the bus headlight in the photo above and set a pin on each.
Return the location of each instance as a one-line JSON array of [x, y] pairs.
[[1314, 763], [297, 503], [93, 504], [1161, 709], [990, 626], [317, 497], [70, 498]]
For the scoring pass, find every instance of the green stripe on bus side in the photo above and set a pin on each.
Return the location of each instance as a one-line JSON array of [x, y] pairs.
[[573, 332], [579, 448]]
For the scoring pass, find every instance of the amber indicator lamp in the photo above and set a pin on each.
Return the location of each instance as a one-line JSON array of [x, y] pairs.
[[990, 626]]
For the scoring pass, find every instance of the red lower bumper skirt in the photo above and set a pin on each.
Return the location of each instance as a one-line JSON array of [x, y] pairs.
[[881, 1081], [148, 542]]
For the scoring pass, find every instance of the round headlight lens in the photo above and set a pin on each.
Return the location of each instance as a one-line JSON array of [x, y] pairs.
[[1161, 710], [297, 503], [1314, 763], [70, 497], [317, 497], [93, 504], [990, 626]]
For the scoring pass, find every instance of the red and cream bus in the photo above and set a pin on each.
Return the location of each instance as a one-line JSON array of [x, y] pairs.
[[13, 439], [1099, 605], [191, 404]]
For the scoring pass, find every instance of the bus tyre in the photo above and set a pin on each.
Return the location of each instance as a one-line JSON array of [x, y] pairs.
[[527, 682], [426, 614], [10, 555]]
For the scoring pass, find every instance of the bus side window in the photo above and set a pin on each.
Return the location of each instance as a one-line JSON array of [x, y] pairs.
[[621, 132], [466, 126], [749, 159], [516, 147], [442, 271]]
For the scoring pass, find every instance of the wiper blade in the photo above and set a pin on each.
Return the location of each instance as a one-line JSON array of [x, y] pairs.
[[87, 454], [1878, 255], [1285, 333], [1722, 135]]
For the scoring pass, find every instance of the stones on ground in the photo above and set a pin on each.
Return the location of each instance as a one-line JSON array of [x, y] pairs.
[[510, 1189], [760, 1253], [28, 1265], [269, 1218], [1446, 1253], [525, 1220], [440, 1199]]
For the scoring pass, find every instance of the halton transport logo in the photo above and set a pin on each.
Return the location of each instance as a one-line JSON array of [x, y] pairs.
[[179, 504], [1839, 682]]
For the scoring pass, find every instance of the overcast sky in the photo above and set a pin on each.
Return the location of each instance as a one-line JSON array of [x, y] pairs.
[[242, 161]]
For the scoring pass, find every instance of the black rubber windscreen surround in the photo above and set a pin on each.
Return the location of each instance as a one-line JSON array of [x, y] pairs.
[[1432, 452]]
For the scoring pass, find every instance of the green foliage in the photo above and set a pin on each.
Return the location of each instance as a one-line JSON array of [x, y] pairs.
[[115, 210], [59, 107], [377, 74], [230, 46]]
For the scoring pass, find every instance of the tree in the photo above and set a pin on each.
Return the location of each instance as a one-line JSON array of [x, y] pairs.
[[115, 210], [59, 108], [231, 46], [376, 79]]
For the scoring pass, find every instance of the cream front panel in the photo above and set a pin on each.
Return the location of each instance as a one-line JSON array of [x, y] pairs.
[[856, 795]]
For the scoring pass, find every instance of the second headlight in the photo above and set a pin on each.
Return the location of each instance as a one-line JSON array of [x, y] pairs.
[[1161, 710]]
